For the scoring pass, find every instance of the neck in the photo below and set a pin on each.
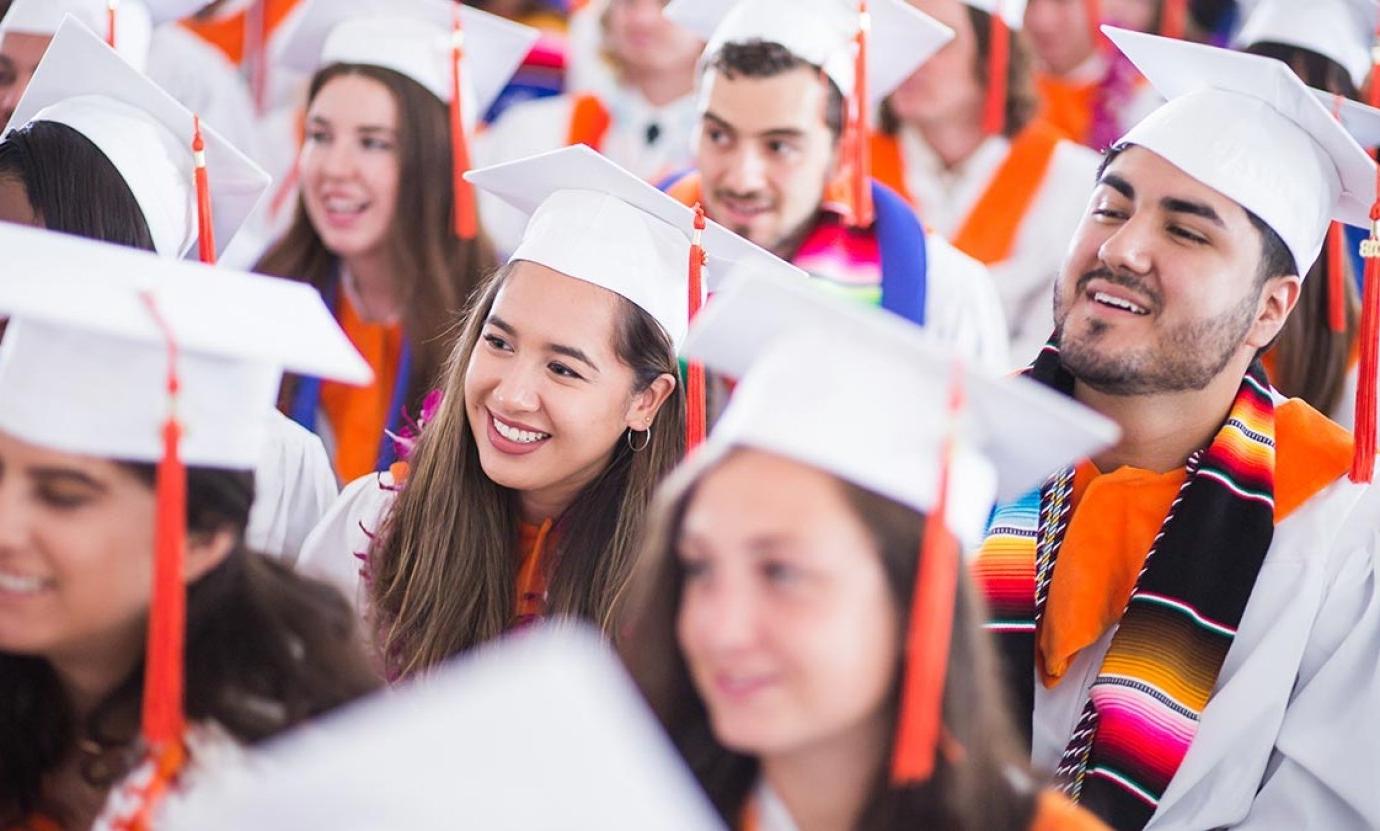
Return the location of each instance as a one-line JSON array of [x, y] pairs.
[[88, 676], [369, 280], [1160, 431], [825, 787], [660, 88], [953, 140]]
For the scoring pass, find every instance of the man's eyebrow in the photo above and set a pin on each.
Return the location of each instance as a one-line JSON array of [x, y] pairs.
[[1188, 206], [1118, 184]]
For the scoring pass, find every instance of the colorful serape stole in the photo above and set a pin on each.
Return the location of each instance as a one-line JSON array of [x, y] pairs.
[[1160, 670]]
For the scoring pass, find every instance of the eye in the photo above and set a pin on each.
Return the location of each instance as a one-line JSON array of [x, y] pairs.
[[716, 136], [318, 136], [1187, 235], [779, 147], [63, 498], [495, 342], [564, 371], [375, 143], [695, 569], [780, 573], [1108, 214]]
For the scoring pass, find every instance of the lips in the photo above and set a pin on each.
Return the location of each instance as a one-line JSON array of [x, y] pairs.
[[743, 210], [740, 688], [22, 585], [1114, 301], [513, 438]]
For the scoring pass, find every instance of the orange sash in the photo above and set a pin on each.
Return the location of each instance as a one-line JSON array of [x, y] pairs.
[[989, 232], [589, 122], [888, 166], [359, 415], [227, 33], [1066, 106]]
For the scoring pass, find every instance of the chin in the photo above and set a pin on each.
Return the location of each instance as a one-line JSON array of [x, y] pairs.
[[753, 736]]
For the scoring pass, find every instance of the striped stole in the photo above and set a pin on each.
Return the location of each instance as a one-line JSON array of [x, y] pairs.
[[1162, 665]]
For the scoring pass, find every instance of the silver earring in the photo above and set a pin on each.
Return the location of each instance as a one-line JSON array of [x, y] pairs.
[[646, 441]]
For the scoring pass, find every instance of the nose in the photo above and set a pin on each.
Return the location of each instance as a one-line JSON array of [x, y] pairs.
[[13, 524], [517, 390], [338, 159], [1129, 247], [747, 171], [720, 616]]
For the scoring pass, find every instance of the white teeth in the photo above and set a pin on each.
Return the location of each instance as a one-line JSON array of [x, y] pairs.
[[519, 436], [19, 584], [343, 206], [1119, 303]]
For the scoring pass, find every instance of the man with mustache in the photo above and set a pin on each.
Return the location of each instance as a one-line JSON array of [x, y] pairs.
[[1190, 621], [774, 94]]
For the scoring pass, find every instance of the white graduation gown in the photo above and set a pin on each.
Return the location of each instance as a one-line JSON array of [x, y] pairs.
[[1291, 736], [538, 126], [294, 484], [335, 548], [962, 307], [1024, 281], [204, 81]]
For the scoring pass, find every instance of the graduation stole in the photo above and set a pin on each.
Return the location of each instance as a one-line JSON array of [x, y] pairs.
[[1160, 670]]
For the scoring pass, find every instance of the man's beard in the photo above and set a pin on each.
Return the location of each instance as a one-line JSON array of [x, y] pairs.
[[1184, 357]]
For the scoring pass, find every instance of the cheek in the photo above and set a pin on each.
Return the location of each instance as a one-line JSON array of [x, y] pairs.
[[852, 665]]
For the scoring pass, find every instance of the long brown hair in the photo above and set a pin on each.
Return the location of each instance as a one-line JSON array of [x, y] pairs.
[[1310, 361], [436, 272], [267, 649], [442, 567], [1021, 100], [980, 783]]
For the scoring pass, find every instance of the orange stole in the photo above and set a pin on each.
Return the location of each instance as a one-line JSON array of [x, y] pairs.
[[1106, 543], [1067, 107], [988, 234], [532, 574], [227, 33], [359, 415], [589, 122]]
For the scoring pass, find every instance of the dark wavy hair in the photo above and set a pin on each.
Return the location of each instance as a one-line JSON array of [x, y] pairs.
[[981, 785], [766, 59], [72, 186], [266, 650]]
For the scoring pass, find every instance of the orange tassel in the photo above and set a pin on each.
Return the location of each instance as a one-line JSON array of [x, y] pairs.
[[998, 65], [1373, 98], [466, 213], [1336, 277], [1174, 19], [857, 143], [919, 726], [162, 720], [1363, 458], [696, 416], [112, 9], [1092, 9], [206, 229]]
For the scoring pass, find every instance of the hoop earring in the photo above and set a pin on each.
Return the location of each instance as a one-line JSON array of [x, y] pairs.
[[648, 440]]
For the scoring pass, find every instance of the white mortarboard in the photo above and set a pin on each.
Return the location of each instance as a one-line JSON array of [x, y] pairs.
[[1360, 120], [83, 366], [822, 32], [1247, 127], [548, 732], [411, 37], [594, 221], [1342, 30], [1011, 11], [133, 23], [860, 393], [146, 134], [167, 11]]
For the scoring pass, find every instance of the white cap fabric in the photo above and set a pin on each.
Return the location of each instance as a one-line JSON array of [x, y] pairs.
[[1342, 30], [822, 32], [414, 38], [1360, 120], [133, 23], [1247, 127], [146, 134], [862, 394], [1011, 11], [594, 221], [83, 365], [553, 734], [167, 11]]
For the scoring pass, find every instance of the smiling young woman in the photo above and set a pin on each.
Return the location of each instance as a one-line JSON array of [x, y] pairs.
[[375, 230]]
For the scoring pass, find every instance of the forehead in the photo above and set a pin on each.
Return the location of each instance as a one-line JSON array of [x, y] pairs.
[[16, 451], [753, 492], [791, 100], [23, 48], [355, 99], [1154, 179], [544, 304]]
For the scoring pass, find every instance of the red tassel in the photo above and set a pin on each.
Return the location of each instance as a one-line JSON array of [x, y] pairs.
[[857, 143], [163, 721], [919, 726], [206, 229], [1373, 98], [1336, 277], [696, 416], [1363, 458], [466, 213], [112, 10], [1174, 19], [1092, 9], [998, 65]]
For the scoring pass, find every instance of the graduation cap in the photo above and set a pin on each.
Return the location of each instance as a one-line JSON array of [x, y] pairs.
[[548, 711], [126, 25], [1005, 16], [187, 195], [594, 221], [953, 439], [1247, 127], [1341, 30], [866, 47], [461, 55], [122, 354]]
